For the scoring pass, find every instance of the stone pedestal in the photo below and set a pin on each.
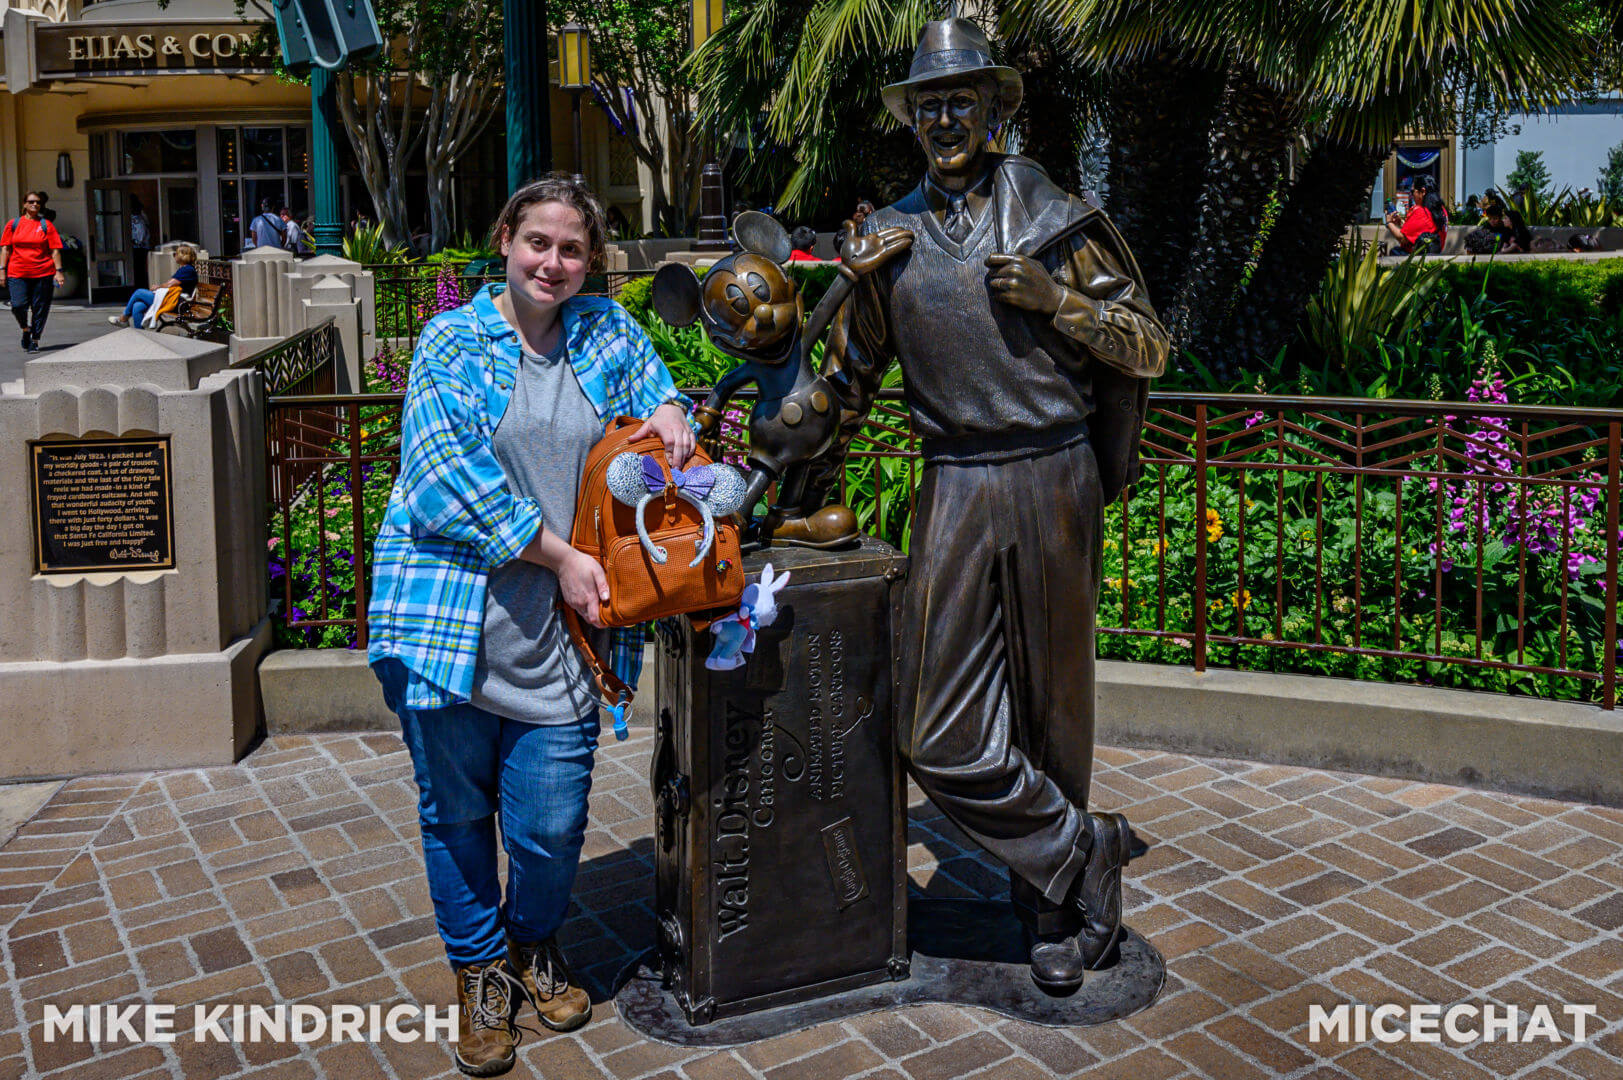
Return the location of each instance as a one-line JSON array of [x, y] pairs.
[[275, 296], [133, 668]]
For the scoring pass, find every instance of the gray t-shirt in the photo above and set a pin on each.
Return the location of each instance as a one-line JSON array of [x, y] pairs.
[[528, 669]]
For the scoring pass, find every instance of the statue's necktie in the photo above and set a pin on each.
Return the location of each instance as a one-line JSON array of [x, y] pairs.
[[957, 225]]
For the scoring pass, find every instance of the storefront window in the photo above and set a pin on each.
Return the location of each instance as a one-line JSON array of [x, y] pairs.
[[262, 150], [230, 220], [143, 152], [267, 165], [298, 155]]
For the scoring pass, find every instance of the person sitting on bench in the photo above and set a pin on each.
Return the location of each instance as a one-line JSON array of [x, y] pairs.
[[183, 282]]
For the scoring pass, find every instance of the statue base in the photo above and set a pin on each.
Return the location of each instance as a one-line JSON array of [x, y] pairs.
[[962, 952]]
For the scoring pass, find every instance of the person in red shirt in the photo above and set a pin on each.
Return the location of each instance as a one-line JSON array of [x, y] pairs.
[[31, 264], [801, 242], [1418, 230]]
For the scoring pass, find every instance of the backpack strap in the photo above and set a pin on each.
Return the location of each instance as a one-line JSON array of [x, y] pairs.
[[609, 685]]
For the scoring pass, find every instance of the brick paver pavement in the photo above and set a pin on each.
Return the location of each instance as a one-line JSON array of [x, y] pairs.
[[296, 877]]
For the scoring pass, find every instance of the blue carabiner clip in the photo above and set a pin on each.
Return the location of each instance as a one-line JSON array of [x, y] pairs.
[[620, 709]]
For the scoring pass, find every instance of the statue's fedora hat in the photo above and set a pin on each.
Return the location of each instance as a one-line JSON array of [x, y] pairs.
[[948, 50]]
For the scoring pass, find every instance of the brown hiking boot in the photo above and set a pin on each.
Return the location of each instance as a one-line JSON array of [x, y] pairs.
[[486, 1043], [559, 1000]]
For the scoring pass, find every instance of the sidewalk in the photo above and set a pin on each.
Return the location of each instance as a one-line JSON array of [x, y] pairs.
[[70, 323], [296, 877]]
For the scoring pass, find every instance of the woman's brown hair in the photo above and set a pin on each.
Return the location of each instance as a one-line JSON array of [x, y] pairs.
[[185, 255], [555, 187]]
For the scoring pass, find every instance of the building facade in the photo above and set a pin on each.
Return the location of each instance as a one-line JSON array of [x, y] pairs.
[[1574, 139], [146, 124]]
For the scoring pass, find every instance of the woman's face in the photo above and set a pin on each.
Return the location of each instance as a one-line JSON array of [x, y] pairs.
[[32, 206], [548, 254]]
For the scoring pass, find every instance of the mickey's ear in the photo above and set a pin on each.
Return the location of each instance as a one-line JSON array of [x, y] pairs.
[[762, 234], [676, 294]]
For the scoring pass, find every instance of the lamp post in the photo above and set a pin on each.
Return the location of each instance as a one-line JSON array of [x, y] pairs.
[[328, 233], [529, 115], [575, 74], [705, 19]]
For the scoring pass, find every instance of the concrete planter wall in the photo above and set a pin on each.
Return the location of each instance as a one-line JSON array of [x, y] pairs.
[[1554, 749]]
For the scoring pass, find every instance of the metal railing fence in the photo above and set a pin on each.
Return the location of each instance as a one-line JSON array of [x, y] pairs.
[[1426, 541]]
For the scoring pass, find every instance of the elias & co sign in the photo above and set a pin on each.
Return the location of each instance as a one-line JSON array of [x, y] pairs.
[[78, 50]]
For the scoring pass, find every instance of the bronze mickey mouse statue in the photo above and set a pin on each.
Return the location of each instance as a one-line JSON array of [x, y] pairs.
[[751, 310]]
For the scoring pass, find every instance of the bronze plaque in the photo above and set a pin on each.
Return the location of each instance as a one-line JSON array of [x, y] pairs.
[[102, 504], [76, 50]]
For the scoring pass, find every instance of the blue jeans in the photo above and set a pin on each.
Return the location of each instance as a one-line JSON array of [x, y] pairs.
[[136, 309], [471, 766], [31, 301]]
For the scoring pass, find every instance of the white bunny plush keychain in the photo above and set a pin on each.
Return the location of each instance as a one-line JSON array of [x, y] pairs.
[[735, 634]]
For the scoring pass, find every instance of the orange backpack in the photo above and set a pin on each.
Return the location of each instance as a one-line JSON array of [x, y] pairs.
[[665, 539]]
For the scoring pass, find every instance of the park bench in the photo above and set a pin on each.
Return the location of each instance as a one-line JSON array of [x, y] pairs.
[[199, 313]]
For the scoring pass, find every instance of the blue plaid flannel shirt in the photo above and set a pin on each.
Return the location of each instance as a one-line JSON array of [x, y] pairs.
[[451, 516]]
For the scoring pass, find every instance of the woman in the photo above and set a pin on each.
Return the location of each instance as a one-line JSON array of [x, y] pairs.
[[1416, 230], [1506, 224], [31, 264], [507, 396], [184, 279]]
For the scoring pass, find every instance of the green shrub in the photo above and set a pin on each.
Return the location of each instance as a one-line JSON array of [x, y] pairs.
[[1610, 184], [1359, 304], [1554, 288]]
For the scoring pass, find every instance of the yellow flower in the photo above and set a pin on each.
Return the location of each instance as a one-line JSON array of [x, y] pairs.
[[1160, 547], [1240, 602], [1214, 526]]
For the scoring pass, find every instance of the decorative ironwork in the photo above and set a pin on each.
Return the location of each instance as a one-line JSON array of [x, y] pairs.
[[305, 363], [1506, 515]]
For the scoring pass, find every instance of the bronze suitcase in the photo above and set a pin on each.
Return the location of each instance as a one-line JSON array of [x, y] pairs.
[[781, 826]]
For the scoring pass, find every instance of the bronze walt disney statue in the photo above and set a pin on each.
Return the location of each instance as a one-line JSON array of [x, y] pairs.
[[1026, 341]]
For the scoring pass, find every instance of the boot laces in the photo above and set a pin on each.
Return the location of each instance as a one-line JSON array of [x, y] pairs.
[[489, 989], [556, 972]]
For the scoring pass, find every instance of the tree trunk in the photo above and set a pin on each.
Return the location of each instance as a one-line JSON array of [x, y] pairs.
[[459, 109], [1248, 151], [1332, 189], [384, 139], [1159, 116]]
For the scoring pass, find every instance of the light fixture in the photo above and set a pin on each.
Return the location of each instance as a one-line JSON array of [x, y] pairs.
[[575, 73], [64, 171], [706, 19], [574, 57]]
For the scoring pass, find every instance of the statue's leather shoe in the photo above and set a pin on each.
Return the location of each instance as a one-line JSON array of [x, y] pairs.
[[829, 527], [1097, 891], [1056, 963]]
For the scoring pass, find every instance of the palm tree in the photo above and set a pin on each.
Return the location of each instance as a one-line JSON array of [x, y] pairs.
[[1203, 101]]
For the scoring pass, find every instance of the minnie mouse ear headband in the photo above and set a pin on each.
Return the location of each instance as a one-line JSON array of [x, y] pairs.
[[635, 479]]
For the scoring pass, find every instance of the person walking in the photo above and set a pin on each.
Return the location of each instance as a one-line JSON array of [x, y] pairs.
[[293, 233], [266, 229], [508, 394], [31, 264], [184, 279]]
